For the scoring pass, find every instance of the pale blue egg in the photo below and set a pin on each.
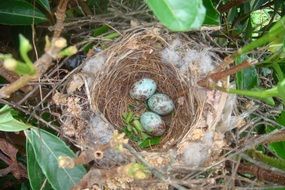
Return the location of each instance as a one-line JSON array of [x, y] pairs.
[[161, 104], [152, 124], [143, 89]]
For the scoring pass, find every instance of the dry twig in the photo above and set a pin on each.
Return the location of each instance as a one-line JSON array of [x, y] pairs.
[[45, 61]]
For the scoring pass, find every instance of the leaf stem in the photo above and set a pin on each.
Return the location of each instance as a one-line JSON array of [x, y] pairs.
[[275, 162], [279, 73], [256, 94], [276, 32]]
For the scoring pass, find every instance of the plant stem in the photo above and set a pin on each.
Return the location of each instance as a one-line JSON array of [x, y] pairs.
[[275, 162], [256, 94], [276, 32], [279, 73], [262, 174]]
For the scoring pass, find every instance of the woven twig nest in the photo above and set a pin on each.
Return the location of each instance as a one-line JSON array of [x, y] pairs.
[[130, 60], [198, 120], [143, 54]]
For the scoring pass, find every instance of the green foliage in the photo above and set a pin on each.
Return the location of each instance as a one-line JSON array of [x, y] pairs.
[[247, 78], [252, 19], [99, 6], [278, 147], [259, 19], [21, 68], [135, 132], [212, 15], [276, 35], [20, 12], [99, 31], [148, 142], [36, 177], [44, 4], [7, 121], [46, 150], [275, 162], [179, 15]]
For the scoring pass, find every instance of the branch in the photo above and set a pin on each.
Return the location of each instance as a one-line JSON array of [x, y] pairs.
[[85, 7], [8, 75], [262, 174], [234, 3], [214, 77], [45, 61], [278, 137]]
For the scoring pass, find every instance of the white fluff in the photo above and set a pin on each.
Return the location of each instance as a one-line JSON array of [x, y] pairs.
[[175, 55], [208, 138], [197, 153], [101, 131], [94, 64], [171, 55], [202, 59]]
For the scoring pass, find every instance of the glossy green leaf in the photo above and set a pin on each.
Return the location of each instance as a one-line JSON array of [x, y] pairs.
[[179, 15], [8, 123], [36, 177], [18, 12], [47, 148], [247, 78], [45, 4], [212, 15]]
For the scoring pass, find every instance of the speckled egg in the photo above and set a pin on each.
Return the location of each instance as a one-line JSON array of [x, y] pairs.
[[143, 89], [152, 124], [160, 104]]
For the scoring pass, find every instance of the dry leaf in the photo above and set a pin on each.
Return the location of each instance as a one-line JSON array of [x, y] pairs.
[[59, 98], [10, 158], [75, 84], [73, 106]]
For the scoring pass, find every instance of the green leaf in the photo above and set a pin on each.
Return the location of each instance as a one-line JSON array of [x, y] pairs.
[[36, 177], [281, 118], [8, 123], [99, 31], [100, 6], [278, 148], [47, 148], [131, 135], [179, 15], [247, 78], [44, 4], [268, 100], [149, 142], [17, 12], [212, 15]]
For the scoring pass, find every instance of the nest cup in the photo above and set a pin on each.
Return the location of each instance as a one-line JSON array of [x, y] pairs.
[[131, 59]]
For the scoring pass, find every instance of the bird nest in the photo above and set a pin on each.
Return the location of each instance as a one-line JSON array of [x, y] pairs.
[[110, 74], [135, 57], [91, 114]]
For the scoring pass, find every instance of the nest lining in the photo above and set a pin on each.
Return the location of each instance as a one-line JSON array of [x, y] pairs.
[[110, 93]]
